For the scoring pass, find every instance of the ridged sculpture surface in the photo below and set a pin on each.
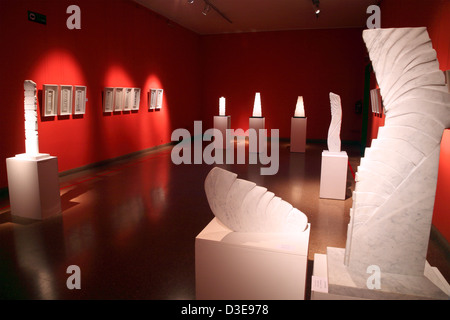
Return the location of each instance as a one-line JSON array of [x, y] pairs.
[[396, 180], [243, 206], [334, 131]]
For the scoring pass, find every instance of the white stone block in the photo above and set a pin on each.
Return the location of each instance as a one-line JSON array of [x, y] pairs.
[[250, 266], [222, 123], [298, 134]]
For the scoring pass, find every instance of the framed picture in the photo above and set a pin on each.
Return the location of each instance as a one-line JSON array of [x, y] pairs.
[[128, 99], [65, 105], [136, 98], [108, 99], [50, 97], [159, 98], [152, 99], [118, 99], [375, 98], [80, 100]]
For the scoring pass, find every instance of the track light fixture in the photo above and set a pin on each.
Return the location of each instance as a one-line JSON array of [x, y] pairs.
[[206, 9], [316, 5]]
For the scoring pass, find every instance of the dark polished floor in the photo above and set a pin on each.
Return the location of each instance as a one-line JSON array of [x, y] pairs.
[[130, 226]]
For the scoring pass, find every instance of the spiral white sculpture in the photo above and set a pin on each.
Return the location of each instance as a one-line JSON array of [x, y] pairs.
[[396, 180], [243, 206], [334, 131]]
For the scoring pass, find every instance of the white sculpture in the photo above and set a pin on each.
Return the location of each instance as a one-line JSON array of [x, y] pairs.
[[243, 206], [257, 106], [31, 124], [299, 108], [396, 180], [221, 106], [334, 131]]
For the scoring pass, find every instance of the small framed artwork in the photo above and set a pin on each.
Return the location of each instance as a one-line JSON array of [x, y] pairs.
[[127, 101], [80, 100], [65, 105], [375, 101], [50, 100], [159, 98], [108, 100], [152, 99], [118, 99], [136, 98]]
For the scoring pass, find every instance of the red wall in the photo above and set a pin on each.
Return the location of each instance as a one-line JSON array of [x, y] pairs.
[[281, 66], [120, 44], [435, 15]]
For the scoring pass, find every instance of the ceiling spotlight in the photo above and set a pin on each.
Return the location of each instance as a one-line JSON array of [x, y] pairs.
[[190, 1], [206, 9], [316, 4]]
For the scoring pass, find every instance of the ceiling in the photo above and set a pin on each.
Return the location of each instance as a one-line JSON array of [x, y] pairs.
[[262, 15]]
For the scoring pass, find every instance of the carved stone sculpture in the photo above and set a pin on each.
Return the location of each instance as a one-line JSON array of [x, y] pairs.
[[299, 108], [31, 124], [243, 206], [334, 131], [396, 180], [257, 112]]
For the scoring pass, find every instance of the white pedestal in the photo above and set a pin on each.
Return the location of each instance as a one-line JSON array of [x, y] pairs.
[[298, 134], [222, 123], [33, 186], [249, 266], [260, 145], [332, 280], [333, 175]]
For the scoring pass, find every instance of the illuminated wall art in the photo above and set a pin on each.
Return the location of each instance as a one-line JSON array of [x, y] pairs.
[[128, 99], [65, 105], [159, 98], [80, 100], [118, 99], [152, 99], [136, 99], [108, 99], [375, 98], [50, 97]]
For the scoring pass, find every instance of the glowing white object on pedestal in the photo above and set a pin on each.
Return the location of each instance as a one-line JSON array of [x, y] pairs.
[[257, 106], [31, 125], [222, 106], [299, 108]]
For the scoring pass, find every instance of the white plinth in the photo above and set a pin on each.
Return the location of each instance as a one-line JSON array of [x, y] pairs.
[[260, 145], [332, 280], [333, 175], [222, 123], [298, 134], [249, 266], [33, 186]]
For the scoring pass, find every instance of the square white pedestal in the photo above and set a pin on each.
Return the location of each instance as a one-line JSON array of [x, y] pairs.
[[333, 175], [298, 134], [260, 145], [33, 186], [222, 123], [249, 266], [331, 280]]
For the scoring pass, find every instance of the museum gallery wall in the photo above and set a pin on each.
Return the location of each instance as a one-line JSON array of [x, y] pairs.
[[123, 45]]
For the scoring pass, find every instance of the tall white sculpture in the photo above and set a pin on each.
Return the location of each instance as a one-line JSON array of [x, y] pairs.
[[334, 131], [221, 106], [395, 188], [31, 124], [257, 106], [243, 206], [299, 108]]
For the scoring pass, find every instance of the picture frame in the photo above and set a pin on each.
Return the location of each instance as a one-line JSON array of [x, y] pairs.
[[80, 100], [159, 98], [108, 99], [152, 99], [136, 98], [128, 99], [65, 105], [118, 99], [50, 100], [375, 98]]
